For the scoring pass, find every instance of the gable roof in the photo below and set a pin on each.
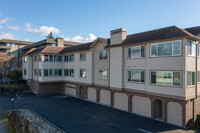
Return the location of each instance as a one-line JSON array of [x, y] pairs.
[[194, 30], [76, 48], [158, 34]]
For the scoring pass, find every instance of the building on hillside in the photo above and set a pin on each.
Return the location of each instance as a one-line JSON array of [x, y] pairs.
[[154, 73]]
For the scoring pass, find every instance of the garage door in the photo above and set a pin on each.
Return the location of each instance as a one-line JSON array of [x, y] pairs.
[[105, 97], [141, 106], [121, 101], [174, 113], [91, 94], [70, 90]]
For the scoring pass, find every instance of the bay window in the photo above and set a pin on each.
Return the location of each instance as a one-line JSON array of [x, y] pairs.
[[169, 78], [136, 52], [171, 48], [136, 76], [191, 49], [191, 78]]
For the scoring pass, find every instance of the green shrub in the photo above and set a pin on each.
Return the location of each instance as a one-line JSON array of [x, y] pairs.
[[197, 122]]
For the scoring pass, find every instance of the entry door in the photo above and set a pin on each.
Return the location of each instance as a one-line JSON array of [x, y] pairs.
[[83, 92]]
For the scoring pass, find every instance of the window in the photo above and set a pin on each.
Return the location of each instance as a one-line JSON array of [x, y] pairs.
[[191, 78], [172, 48], [35, 72], [199, 50], [24, 71], [169, 78], [39, 57], [57, 72], [136, 52], [57, 58], [25, 59], [103, 74], [53, 44], [136, 76], [69, 58], [35, 58], [82, 56], [13, 45], [50, 72], [8, 44], [191, 49], [40, 72], [46, 72], [103, 54], [51, 58], [46, 58], [69, 72], [83, 73]]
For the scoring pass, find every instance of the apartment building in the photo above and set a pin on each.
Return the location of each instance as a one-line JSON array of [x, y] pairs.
[[13, 47], [154, 73]]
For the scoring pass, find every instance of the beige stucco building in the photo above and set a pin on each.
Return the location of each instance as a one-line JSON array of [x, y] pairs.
[[154, 73]]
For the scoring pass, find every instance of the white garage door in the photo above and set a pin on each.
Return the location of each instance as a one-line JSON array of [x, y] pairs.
[[141, 106], [105, 97], [121, 101], [91, 94], [70, 90], [174, 113]]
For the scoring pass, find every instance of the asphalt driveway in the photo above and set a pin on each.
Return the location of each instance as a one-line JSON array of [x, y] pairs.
[[79, 116]]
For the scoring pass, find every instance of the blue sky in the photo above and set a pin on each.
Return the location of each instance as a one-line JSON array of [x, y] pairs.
[[84, 20]]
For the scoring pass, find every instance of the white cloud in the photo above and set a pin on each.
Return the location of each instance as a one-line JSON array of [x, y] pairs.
[[15, 27], [79, 38], [3, 21], [26, 39], [7, 36], [42, 30]]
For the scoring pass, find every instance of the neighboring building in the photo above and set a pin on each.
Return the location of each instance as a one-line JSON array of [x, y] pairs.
[[13, 47], [154, 74]]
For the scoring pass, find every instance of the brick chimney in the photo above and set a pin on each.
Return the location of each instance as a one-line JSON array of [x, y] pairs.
[[60, 42]]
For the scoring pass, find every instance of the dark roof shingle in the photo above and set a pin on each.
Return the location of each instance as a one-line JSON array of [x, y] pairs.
[[194, 30]]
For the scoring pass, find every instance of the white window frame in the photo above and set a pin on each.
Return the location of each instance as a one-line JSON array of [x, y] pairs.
[[106, 54], [191, 48], [172, 48], [103, 78], [172, 78], [139, 76], [196, 80], [140, 52]]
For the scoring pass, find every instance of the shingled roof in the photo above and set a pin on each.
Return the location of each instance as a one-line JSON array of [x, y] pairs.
[[158, 34], [80, 47], [16, 41], [194, 30], [45, 50]]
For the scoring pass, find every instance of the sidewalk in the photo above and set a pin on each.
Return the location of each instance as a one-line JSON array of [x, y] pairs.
[[3, 126]]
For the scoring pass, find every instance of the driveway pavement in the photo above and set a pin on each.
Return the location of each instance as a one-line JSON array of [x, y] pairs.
[[79, 116]]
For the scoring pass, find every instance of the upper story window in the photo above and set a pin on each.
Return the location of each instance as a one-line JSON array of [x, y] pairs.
[[82, 73], [69, 58], [82, 56], [35, 58], [191, 49], [191, 78], [57, 58], [24, 71], [40, 72], [46, 58], [13, 45], [53, 44], [136, 76], [46, 72], [39, 58], [172, 48], [103, 54], [8, 44], [35, 72], [103, 74], [136, 52], [25, 59], [57, 72], [69, 72], [168, 78]]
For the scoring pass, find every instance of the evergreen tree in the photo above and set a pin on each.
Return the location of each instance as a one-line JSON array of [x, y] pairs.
[[50, 36]]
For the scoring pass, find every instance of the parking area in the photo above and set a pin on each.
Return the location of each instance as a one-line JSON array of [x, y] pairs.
[[75, 115]]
